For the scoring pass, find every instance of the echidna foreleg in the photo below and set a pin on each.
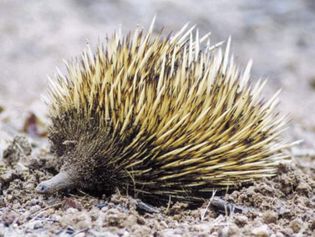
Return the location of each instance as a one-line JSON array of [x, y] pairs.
[[57, 183]]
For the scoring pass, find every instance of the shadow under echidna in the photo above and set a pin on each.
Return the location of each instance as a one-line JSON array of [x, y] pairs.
[[158, 117]]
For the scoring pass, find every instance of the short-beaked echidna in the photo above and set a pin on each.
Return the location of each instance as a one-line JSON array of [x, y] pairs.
[[161, 116]]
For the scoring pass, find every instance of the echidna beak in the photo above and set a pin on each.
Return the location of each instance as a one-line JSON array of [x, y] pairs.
[[57, 183]]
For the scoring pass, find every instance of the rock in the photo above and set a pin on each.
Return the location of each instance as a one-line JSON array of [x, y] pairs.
[[8, 217], [241, 220], [230, 231], [38, 225], [296, 225], [270, 217], [18, 149], [261, 231], [304, 188]]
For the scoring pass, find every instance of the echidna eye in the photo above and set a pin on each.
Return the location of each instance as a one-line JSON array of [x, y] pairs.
[[42, 188]]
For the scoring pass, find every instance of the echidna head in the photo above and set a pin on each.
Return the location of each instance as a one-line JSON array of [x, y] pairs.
[[86, 160], [86, 157]]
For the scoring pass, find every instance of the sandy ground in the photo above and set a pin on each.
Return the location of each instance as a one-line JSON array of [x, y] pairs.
[[37, 35]]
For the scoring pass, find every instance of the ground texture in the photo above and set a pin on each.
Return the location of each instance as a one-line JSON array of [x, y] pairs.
[[35, 37]]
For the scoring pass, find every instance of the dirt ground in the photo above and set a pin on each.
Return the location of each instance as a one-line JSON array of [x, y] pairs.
[[37, 35]]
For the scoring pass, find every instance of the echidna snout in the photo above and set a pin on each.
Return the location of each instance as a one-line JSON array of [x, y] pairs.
[[156, 116], [57, 183]]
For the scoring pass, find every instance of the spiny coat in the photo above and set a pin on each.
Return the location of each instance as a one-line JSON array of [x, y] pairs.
[[158, 116]]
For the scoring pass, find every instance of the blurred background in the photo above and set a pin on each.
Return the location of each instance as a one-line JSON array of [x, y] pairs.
[[279, 36]]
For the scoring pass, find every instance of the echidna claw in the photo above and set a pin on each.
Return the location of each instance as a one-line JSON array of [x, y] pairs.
[[225, 207], [144, 207]]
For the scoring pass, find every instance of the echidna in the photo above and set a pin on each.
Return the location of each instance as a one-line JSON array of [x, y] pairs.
[[161, 116]]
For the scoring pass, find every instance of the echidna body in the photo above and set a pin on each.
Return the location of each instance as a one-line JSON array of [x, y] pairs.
[[160, 116]]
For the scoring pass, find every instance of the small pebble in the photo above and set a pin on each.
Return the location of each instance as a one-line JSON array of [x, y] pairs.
[[84, 224], [304, 188], [35, 208], [296, 225], [8, 217], [140, 220], [72, 210], [55, 217], [131, 220], [241, 220], [29, 186], [94, 214], [6, 177], [261, 231], [230, 231], [270, 217], [2, 201], [38, 225]]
